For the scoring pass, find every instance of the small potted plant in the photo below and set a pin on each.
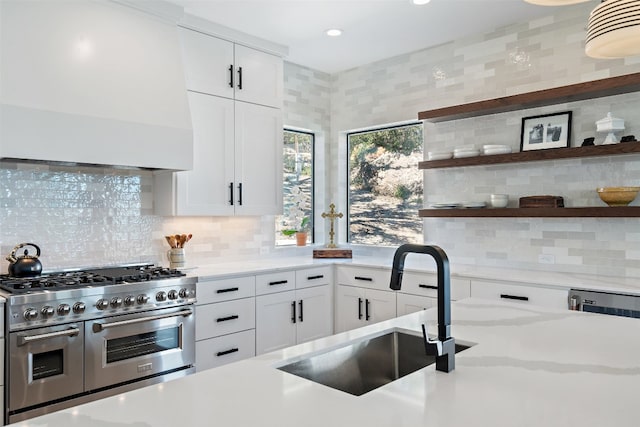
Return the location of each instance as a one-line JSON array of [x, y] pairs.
[[298, 222]]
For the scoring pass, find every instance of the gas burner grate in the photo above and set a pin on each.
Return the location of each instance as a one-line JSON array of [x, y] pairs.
[[81, 279]]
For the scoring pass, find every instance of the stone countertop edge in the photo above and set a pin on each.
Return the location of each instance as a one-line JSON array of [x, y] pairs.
[[529, 366], [551, 279]]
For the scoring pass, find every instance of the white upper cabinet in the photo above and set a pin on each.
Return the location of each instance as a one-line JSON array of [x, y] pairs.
[[208, 63], [222, 68], [258, 77], [237, 143]]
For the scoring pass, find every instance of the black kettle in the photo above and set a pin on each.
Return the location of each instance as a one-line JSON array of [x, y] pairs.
[[25, 265]]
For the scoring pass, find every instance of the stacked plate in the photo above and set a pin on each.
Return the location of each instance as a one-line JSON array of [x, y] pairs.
[[465, 152], [439, 155], [473, 205], [488, 150], [450, 205]]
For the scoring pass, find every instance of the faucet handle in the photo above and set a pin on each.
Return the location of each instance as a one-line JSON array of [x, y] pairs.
[[432, 347]]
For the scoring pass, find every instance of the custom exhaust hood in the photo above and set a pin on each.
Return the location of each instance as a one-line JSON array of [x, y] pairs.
[[93, 82]]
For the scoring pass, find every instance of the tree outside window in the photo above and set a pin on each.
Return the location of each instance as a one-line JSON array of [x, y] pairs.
[[385, 186], [297, 187]]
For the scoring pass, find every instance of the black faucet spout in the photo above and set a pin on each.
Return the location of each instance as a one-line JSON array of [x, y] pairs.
[[445, 361]]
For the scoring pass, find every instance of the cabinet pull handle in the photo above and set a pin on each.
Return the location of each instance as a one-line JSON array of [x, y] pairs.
[[222, 291], [231, 193], [225, 319], [359, 308], [315, 277], [240, 78], [279, 282], [293, 312], [240, 194], [301, 317], [515, 297], [365, 279], [231, 76], [224, 353], [422, 285], [366, 309]]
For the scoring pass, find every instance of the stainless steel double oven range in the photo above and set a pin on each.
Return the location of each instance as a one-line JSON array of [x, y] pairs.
[[75, 336]]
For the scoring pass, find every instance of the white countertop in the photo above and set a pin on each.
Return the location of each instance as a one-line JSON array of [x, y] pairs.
[[530, 367], [541, 278]]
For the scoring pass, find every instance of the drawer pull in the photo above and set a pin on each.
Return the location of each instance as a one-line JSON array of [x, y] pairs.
[[224, 353], [515, 297], [422, 285], [364, 279], [225, 319], [320, 276], [222, 291], [279, 282]]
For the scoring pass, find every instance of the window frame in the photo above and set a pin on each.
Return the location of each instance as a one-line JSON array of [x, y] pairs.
[[347, 171], [312, 204]]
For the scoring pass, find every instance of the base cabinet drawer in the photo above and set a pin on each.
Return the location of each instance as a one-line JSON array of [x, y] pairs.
[[219, 351], [275, 282], [545, 297], [210, 291], [426, 284], [372, 278], [225, 318]]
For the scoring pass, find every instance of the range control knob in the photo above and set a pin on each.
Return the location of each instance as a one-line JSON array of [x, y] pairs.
[[47, 311], [161, 296], [30, 314], [79, 307], [64, 309], [129, 300], [185, 293], [116, 302], [142, 299], [102, 304], [173, 294]]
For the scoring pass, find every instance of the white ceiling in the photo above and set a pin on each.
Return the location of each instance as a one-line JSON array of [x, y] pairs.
[[373, 29]]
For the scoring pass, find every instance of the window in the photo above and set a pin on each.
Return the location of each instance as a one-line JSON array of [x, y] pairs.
[[385, 185], [297, 187]]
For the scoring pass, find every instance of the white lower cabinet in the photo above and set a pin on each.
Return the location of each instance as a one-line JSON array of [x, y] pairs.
[[358, 307], [225, 321], [294, 307], [407, 303], [524, 294]]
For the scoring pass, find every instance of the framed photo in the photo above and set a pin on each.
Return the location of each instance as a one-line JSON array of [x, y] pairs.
[[548, 131]]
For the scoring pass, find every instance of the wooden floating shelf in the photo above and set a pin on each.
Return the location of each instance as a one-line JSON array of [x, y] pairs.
[[529, 156], [593, 212], [558, 95]]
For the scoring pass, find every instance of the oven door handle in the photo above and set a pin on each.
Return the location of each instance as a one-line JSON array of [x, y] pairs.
[[26, 339], [97, 327]]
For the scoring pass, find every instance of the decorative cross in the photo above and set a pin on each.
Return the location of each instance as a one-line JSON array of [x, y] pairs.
[[332, 215]]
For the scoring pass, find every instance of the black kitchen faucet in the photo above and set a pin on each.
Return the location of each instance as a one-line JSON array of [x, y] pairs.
[[444, 348]]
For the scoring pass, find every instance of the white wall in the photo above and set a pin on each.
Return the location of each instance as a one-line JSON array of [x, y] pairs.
[[483, 67]]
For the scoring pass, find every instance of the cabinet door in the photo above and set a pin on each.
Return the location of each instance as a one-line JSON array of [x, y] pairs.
[[258, 160], [207, 61], [406, 303], [379, 305], [350, 302], [205, 189], [259, 77], [314, 313], [274, 325]]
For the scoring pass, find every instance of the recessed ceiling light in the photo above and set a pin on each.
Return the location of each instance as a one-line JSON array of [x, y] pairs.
[[420, 2], [334, 32]]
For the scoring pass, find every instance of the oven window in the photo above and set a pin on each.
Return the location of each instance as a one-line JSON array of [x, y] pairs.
[[142, 344], [47, 364]]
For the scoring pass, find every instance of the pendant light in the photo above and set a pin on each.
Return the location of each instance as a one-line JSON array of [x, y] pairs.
[[554, 2], [613, 30]]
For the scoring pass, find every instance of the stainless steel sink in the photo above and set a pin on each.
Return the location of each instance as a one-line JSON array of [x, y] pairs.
[[364, 365]]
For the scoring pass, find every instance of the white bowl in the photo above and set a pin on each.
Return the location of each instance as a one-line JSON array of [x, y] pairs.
[[465, 153], [499, 200]]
